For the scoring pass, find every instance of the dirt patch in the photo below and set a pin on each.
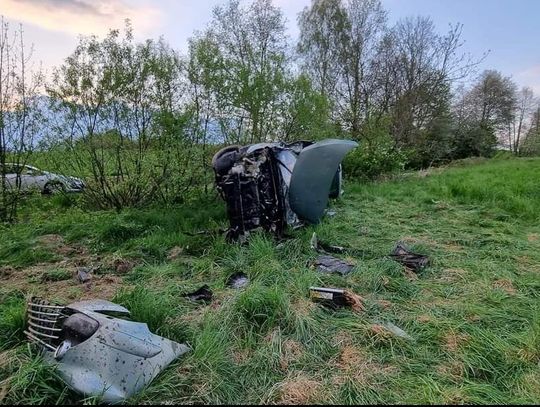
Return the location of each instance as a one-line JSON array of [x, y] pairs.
[[352, 358], [299, 391], [241, 356], [452, 341], [303, 307], [6, 271], [385, 304], [453, 370], [424, 319], [533, 237], [353, 363], [57, 245], [175, 253], [379, 332], [410, 274], [453, 247], [35, 280], [123, 266], [291, 351], [505, 285], [527, 264], [452, 275]]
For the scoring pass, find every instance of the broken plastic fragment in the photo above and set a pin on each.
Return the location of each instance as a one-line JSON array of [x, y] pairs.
[[336, 298], [409, 259], [83, 275], [330, 264], [96, 354], [238, 280], [397, 331], [322, 247], [202, 294]]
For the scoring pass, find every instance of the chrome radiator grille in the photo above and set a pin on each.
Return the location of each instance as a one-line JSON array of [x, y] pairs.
[[44, 322]]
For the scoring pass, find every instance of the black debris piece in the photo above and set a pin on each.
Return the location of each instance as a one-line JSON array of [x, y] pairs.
[[335, 298], [322, 247], [202, 294], [409, 259], [238, 280], [83, 274], [330, 264]]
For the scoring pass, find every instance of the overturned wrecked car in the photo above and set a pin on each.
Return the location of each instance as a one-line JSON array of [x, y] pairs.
[[272, 185], [96, 350]]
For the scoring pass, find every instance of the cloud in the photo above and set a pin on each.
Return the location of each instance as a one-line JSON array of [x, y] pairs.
[[530, 77], [81, 16]]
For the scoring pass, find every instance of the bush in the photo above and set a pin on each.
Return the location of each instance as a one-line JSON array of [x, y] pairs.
[[376, 155]]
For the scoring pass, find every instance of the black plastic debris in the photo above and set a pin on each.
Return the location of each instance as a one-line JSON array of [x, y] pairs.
[[238, 280], [202, 294], [330, 264], [83, 275], [322, 247], [409, 259], [335, 298]]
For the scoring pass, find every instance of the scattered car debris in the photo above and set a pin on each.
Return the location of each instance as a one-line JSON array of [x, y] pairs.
[[330, 213], [330, 264], [337, 298], [409, 259], [202, 294], [83, 275], [272, 185], [322, 247], [96, 351], [238, 280], [395, 330]]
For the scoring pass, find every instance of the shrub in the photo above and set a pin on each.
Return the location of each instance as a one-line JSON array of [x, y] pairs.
[[375, 157]]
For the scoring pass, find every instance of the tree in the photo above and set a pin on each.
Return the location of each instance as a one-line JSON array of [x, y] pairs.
[[337, 44], [322, 35], [19, 114], [531, 143], [243, 65], [123, 120], [484, 114], [523, 111]]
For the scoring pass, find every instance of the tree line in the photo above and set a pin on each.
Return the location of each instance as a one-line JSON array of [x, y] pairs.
[[139, 120]]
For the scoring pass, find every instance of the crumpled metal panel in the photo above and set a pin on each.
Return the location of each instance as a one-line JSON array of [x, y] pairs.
[[312, 177], [116, 361], [120, 359], [98, 306]]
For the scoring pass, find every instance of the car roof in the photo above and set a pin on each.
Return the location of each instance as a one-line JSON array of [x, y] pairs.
[[21, 165]]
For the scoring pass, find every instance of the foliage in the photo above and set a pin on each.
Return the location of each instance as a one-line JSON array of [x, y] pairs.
[[118, 105], [20, 117], [377, 154]]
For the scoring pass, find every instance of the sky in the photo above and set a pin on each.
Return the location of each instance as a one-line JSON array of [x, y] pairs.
[[509, 30]]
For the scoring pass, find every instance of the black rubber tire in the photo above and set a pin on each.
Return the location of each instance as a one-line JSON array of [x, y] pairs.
[[225, 158], [51, 188]]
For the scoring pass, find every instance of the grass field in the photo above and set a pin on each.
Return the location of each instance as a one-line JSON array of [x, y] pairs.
[[473, 315]]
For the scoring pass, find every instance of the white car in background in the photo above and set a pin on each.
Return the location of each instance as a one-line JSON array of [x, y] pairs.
[[31, 178]]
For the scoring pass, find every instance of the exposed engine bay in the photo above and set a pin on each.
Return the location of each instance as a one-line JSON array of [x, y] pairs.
[[271, 185]]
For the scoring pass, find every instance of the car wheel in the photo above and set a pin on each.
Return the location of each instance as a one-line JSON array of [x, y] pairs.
[[53, 188]]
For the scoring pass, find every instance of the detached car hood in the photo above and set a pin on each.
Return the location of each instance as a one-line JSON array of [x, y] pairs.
[[312, 177]]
